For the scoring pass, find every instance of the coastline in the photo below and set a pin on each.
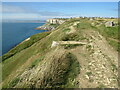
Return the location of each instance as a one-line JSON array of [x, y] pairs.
[[17, 34]]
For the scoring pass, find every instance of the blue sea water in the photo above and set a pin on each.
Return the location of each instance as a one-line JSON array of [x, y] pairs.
[[14, 33]]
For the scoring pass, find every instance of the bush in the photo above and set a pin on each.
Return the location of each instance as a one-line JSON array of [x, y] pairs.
[[66, 30], [14, 82], [71, 37], [72, 72], [34, 63], [70, 46]]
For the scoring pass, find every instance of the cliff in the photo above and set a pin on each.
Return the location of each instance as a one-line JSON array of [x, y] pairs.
[[74, 55], [55, 21], [50, 24]]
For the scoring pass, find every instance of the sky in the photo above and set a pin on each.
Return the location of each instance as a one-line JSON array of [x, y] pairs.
[[60, 0], [46, 10]]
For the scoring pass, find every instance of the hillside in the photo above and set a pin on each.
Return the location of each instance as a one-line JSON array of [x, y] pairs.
[[78, 53]]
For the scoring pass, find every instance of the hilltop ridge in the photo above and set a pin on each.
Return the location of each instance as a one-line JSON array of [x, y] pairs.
[[75, 54]]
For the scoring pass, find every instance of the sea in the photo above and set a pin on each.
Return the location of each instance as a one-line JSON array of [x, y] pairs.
[[14, 33]]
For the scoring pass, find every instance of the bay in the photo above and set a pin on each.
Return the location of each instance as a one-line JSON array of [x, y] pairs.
[[14, 33]]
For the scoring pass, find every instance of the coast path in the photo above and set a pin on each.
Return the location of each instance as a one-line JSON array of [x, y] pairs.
[[72, 28]]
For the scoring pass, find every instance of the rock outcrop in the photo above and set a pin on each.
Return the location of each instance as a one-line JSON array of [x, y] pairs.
[[46, 27], [51, 24], [109, 24], [55, 21]]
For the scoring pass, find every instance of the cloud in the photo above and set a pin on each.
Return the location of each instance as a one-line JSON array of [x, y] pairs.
[[17, 12], [20, 16], [11, 9], [51, 13], [15, 9], [48, 13]]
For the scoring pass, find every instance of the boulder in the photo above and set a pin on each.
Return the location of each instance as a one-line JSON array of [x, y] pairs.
[[110, 24], [54, 43]]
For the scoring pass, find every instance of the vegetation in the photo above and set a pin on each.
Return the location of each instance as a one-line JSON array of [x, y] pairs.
[[66, 30], [72, 72], [101, 86], [114, 68], [109, 32], [68, 72], [60, 71], [71, 37], [22, 46], [112, 35], [114, 44], [54, 25], [14, 82], [89, 73], [70, 46], [83, 25], [34, 63]]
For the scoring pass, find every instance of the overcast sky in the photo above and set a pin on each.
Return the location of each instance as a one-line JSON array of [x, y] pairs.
[[45, 10]]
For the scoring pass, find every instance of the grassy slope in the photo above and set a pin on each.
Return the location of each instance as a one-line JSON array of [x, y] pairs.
[[111, 34], [42, 46], [39, 45], [25, 45]]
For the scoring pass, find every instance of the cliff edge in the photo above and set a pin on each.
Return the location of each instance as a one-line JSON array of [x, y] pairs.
[[74, 55], [51, 24]]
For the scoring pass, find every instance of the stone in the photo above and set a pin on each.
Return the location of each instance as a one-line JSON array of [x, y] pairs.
[[91, 19], [109, 24], [54, 43]]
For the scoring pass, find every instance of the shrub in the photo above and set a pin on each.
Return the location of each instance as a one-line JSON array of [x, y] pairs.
[[70, 46], [72, 72], [34, 63], [71, 37], [66, 29], [14, 82]]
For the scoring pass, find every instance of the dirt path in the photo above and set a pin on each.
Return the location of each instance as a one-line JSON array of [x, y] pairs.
[[72, 29], [98, 61]]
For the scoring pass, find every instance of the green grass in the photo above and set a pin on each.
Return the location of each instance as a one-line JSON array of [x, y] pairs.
[[42, 46], [114, 68], [38, 44], [34, 63], [20, 47], [101, 86], [111, 32], [54, 25], [66, 30], [14, 82], [89, 73], [71, 37], [72, 72], [83, 25], [114, 44], [69, 71]]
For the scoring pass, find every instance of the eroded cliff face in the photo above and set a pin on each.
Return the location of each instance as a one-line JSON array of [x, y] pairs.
[[55, 21], [51, 24]]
